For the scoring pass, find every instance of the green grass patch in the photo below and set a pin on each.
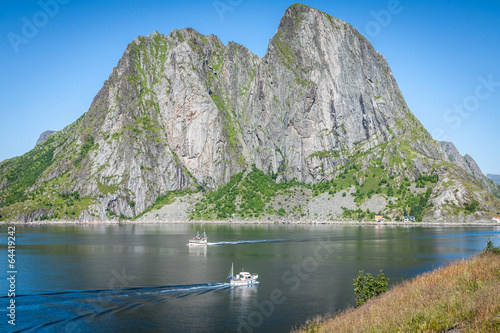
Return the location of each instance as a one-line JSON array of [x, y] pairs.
[[325, 153], [246, 196]]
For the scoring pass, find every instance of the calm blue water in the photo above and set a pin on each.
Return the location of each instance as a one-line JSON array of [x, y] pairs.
[[143, 278]]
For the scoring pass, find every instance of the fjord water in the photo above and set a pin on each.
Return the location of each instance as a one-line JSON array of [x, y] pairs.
[[143, 278]]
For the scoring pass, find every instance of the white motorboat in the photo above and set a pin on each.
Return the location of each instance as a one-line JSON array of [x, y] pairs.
[[242, 278], [199, 240]]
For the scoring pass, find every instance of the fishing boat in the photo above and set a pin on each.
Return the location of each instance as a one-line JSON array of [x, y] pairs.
[[242, 278], [199, 240]]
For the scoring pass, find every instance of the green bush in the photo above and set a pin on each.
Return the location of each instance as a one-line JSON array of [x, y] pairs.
[[281, 212], [490, 249], [366, 287], [472, 207]]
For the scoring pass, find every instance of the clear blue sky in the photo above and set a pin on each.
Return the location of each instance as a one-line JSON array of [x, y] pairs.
[[444, 55]]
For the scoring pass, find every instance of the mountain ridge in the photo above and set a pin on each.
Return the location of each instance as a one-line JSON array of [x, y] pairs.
[[184, 112], [495, 178]]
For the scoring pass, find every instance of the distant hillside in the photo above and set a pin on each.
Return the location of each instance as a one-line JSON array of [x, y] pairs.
[[495, 178], [44, 136]]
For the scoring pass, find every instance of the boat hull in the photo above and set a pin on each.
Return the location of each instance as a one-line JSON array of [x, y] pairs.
[[243, 283], [196, 243], [199, 240]]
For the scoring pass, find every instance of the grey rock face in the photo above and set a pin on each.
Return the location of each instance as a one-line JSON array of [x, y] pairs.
[[216, 109], [467, 163], [451, 154], [476, 171]]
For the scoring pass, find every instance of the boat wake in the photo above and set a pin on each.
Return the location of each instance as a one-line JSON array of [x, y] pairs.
[[255, 241], [276, 240], [131, 291], [93, 310]]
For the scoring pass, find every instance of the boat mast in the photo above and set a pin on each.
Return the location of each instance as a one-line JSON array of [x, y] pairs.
[[230, 273]]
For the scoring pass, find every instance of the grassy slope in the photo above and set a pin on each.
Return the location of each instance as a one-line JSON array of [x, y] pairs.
[[463, 295]]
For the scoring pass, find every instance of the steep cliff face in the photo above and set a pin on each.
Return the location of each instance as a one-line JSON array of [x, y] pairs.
[[322, 94], [185, 112], [451, 154]]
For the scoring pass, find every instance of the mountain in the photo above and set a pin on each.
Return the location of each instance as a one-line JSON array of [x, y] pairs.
[[466, 162], [319, 117], [43, 137], [495, 178]]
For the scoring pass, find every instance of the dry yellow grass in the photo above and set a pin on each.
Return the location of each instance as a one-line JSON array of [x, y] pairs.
[[461, 297]]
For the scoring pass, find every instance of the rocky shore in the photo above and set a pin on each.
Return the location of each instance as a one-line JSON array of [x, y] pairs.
[[242, 222]]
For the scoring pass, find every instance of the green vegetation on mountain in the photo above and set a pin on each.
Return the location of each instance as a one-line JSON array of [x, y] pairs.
[[247, 195], [252, 194], [21, 173]]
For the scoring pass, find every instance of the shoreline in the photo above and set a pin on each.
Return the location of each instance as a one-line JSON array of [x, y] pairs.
[[257, 222], [472, 281]]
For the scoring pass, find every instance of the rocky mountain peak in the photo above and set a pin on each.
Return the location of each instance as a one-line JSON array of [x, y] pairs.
[[293, 16], [184, 112], [467, 163]]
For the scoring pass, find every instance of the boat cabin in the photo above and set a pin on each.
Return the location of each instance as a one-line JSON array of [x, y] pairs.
[[243, 275]]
